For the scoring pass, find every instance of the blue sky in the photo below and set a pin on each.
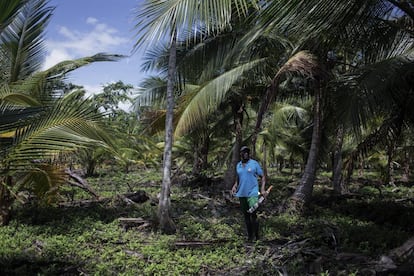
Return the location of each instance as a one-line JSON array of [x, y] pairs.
[[80, 28]]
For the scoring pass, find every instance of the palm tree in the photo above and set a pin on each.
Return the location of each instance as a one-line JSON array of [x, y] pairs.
[[39, 123], [170, 21], [320, 26], [288, 133]]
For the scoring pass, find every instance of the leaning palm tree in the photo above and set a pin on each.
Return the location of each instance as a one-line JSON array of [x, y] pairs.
[[172, 21]]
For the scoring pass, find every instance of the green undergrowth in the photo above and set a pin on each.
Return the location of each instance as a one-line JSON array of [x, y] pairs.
[[89, 240]]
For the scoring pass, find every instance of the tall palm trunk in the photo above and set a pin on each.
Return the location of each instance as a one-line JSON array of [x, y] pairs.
[[405, 166], [201, 149], [303, 192], [230, 174], [164, 217], [264, 106], [338, 163]]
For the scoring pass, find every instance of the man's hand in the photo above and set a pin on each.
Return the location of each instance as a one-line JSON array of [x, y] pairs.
[[234, 189], [264, 192]]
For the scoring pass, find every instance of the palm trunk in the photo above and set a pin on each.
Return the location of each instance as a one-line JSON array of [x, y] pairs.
[[406, 167], [196, 160], [264, 162], [303, 192], [201, 147], [90, 167], [205, 147], [6, 200], [337, 163], [264, 105], [369, 142], [166, 224], [230, 174], [389, 176]]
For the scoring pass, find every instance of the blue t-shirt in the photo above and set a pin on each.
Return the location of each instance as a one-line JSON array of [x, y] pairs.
[[248, 174]]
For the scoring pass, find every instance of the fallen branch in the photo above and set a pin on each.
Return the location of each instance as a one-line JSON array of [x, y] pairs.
[[138, 223], [400, 260], [197, 243], [78, 181], [128, 198]]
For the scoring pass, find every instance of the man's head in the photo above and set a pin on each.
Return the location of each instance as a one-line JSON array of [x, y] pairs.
[[245, 153]]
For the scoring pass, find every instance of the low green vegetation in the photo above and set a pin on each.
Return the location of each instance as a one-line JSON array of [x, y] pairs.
[[86, 237]]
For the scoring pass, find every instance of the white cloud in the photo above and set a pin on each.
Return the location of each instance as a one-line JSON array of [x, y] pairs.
[[72, 44], [92, 89], [56, 55], [91, 20]]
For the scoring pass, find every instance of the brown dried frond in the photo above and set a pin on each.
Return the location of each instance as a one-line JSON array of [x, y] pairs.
[[303, 63]]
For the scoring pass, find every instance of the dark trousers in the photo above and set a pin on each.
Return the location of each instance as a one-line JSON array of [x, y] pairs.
[[250, 219], [252, 225]]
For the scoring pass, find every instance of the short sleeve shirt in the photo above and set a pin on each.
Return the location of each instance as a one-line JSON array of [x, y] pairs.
[[248, 185]]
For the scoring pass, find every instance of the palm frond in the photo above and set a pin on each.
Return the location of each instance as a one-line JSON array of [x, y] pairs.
[[8, 9], [151, 91], [38, 84], [9, 98], [23, 38], [156, 58], [68, 125], [43, 180], [158, 19], [210, 96], [303, 63], [375, 89]]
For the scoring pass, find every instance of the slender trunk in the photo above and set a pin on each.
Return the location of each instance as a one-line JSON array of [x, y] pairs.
[[280, 163], [196, 160], [201, 147], [264, 162], [389, 178], [264, 105], [6, 200], [372, 140], [90, 169], [205, 147], [166, 224], [361, 170], [303, 192], [230, 174], [406, 167], [337, 163]]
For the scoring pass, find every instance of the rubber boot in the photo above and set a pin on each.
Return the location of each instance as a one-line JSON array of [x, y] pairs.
[[255, 225], [256, 230], [249, 227]]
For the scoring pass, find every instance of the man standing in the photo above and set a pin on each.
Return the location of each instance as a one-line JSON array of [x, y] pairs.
[[246, 188]]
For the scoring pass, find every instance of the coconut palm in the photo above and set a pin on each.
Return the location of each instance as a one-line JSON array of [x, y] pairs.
[[39, 123], [288, 133], [172, 21], [229, 77], [320, 26]]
